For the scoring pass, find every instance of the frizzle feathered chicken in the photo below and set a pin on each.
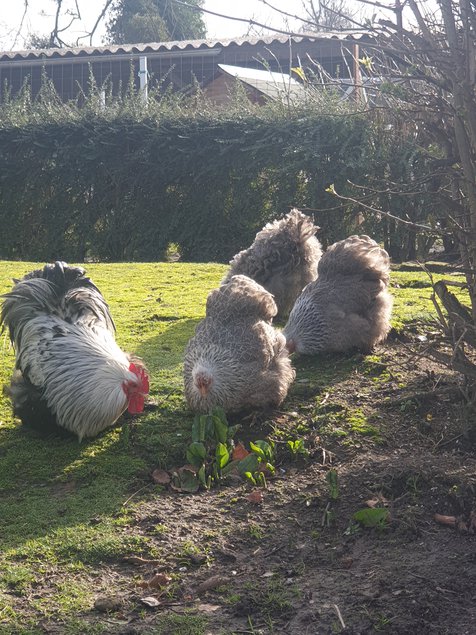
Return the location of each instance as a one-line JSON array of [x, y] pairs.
[[348, 306], [237, 359], [283, 258], [69, 370]]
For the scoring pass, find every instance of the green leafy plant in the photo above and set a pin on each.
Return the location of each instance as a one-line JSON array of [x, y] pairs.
[[377, 517], [211, 455], [261, 460], [211, 447], [297, 447]]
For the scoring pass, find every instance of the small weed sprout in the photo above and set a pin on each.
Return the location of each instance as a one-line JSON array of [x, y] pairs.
[[261, 460], [297, 448], [255, 531], [413, 484], [377, 517], [331, 478], [161, 529]]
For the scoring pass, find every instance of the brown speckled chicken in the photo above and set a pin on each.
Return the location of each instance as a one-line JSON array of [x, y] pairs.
[[283, 258], [348, 306], [237, 359]]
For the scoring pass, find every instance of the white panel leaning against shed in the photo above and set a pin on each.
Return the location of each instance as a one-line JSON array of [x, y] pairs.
[[348, 306], [69, 370]]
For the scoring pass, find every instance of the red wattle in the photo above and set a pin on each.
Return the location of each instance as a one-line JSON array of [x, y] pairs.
[[145, 383], [136, 404], [142, 375]]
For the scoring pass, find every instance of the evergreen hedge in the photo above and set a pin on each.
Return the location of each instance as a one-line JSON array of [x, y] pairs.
[[123, 182]]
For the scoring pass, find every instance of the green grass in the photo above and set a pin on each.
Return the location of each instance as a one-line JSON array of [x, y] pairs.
[[51, 489], [63, 504], [412, 296]]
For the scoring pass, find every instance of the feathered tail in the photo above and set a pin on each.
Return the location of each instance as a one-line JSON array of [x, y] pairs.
[[240, 297], [298, 227], [278, 248], [356, 255], [58, 290]]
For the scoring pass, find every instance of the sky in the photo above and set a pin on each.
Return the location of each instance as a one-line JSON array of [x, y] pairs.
[[40, 16]]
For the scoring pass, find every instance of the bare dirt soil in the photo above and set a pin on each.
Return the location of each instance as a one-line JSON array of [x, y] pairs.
[[293, 560]]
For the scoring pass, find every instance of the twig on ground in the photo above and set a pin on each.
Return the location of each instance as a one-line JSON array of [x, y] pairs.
[[140, 561], [441, 443], [135, 493], [327, 456], [273, 551], [442, 590], [324, 515], [339, 615]]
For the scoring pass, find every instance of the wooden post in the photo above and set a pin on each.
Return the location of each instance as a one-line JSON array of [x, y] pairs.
[[357, 75]]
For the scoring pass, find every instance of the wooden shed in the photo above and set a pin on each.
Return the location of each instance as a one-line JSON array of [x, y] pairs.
[[179, 64]]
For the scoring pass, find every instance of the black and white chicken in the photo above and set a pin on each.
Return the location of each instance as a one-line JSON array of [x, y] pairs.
[[237, 359], [70, 372], [283, 258], [348, 306]]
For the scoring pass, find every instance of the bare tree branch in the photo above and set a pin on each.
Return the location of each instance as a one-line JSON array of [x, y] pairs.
[[54, 34], [248, 21], [20, 27], [91, 33], [289, 15], [380, 212]]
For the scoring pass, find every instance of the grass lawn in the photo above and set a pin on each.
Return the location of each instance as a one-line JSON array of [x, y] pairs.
[[68, 509]]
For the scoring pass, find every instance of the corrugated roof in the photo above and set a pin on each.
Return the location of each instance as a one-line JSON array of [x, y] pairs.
[[171, 47]]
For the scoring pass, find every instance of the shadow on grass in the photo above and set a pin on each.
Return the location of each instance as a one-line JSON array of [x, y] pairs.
[[165, 350], [317, 373], [49, 483], [52, 483], [55, 483]]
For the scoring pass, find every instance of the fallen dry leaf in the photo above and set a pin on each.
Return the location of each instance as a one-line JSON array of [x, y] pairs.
[[239, 452], [376, 501], [212, 583], [161, 477], [461, 524], [139, 560], [157, 581], [108, 603], [184, 479], [208, 608], [150, 601], [256, 497], [445, 520], [347, 562]]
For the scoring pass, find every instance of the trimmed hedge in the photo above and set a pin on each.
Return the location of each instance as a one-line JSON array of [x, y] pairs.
[[123, 184]]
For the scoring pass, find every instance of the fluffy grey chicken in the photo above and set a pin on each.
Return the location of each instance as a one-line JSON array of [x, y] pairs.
[[283, 258], [236, 358], [348, 306], [69, 370]]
